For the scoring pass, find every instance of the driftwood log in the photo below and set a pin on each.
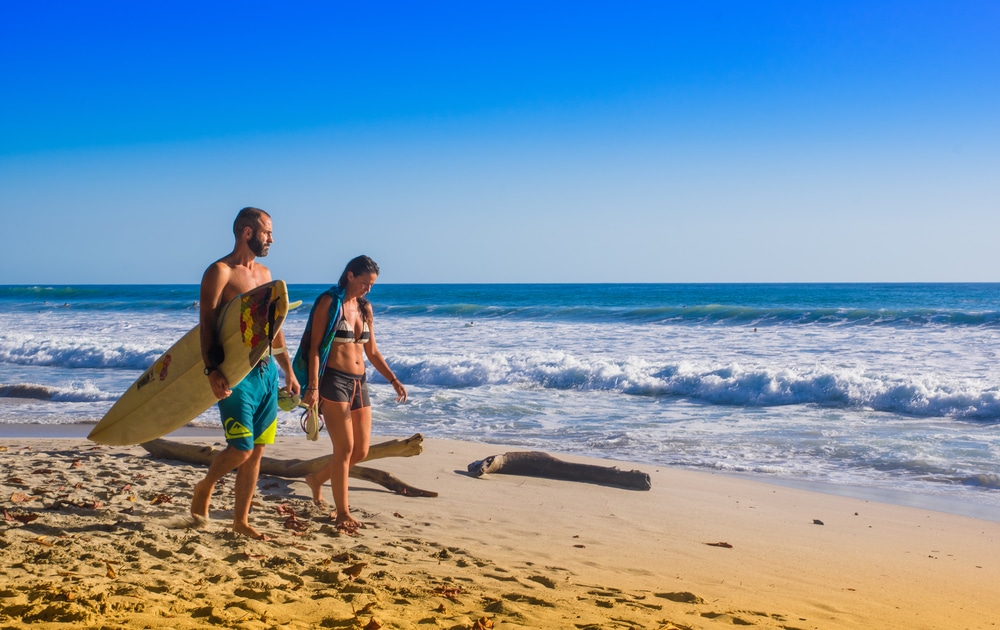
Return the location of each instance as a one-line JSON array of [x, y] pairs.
[[538, 464], [294, 468]]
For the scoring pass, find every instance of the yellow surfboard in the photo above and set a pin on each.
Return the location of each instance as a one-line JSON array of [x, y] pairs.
[[174, 390]]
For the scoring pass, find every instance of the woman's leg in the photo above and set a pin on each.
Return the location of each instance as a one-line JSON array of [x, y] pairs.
[[340, 426], [361, 419]]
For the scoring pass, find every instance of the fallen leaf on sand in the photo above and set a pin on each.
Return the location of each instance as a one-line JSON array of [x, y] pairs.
[[285, 510], [451, 592], [354, 570], [724, 545], [21, 517], [162, 498], [254, 556], [76, 463], [482, 623], [41, 541], [295, 524], [111, 570], [398, 515], [373, 625], [19, 497], [42, 471], [816, 521]]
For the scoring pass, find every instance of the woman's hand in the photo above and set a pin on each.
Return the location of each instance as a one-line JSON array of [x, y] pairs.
[[310, 397], [400, 390]]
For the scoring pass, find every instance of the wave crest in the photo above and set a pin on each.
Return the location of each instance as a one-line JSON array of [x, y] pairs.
[[732, 385], [86, 392]]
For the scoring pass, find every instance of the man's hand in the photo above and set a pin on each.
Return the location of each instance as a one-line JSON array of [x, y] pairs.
[[292, 384], [220, 386]]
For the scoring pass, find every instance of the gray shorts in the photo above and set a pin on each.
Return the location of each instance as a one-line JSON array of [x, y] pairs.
[[338, 386]]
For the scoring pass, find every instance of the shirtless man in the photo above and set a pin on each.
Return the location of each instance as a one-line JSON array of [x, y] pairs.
[[253, 402]]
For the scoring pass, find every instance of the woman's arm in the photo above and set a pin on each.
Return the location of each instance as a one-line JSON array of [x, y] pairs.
[[320, 317], [379, 363]]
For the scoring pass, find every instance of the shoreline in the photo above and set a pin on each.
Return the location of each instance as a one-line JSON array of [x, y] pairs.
[[698, 550], [945, 505]]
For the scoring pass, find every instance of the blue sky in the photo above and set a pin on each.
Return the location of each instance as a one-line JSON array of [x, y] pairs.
[[503, 142]]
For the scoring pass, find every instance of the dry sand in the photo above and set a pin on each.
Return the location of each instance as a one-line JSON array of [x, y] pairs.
[[89, 538]]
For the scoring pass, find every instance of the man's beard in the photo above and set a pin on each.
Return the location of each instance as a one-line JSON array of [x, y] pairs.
[[258, 246]]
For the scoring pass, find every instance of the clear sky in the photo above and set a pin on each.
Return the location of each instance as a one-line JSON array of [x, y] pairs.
[[474, 141]]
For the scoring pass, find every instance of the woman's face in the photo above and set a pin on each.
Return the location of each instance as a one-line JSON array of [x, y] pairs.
[[359, 285]]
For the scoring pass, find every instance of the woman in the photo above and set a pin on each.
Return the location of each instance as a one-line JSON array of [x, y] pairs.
[[331, 360]]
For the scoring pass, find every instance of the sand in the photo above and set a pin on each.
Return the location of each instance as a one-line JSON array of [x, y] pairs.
[[91, 537]]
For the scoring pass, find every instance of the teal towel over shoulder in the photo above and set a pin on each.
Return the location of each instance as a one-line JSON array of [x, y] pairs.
[[300, 365]]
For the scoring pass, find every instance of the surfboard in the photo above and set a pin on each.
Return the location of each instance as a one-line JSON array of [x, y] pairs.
[[174, 390]]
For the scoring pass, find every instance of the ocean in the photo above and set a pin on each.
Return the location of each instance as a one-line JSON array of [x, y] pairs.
[[886, 391]]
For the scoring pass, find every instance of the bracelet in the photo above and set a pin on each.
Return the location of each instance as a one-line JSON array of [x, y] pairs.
[[312, 389], [394, 380]]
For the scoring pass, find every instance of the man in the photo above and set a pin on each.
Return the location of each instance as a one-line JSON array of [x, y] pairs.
[[253, 402]]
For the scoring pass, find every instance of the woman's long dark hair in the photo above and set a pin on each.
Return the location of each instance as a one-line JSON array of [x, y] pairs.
[[357, 266]]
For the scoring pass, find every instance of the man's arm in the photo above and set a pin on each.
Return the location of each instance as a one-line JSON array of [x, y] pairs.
[[212, 285], [284, 360]]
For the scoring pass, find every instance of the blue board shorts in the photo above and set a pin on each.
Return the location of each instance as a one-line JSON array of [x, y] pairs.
[[250, 413]]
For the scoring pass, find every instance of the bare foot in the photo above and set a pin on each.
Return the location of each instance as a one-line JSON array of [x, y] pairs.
[[317, 488], [200, 500], [348, 525], [187, 521], [247, 530]]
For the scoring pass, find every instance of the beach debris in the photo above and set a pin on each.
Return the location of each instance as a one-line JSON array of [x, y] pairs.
[[483, 623], [816, 521], [398, 515], [42, 471], [112, 574], [373, 625], [64, 501], [19, 497], [449, 592], [162, 498], [724, 545], [41, 541], [293, 468], [21, 517], [539, 464], [293, 523], [354, 570], [681, 597], [285, 510]]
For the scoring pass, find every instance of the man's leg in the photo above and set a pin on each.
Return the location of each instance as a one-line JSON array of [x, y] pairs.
[[221, 465], [246, 484]]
